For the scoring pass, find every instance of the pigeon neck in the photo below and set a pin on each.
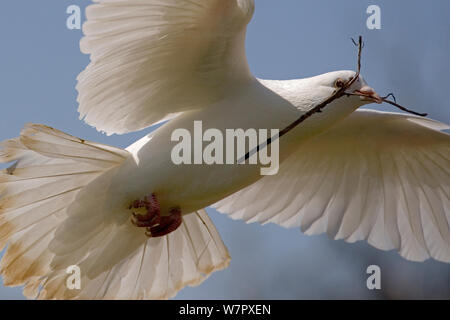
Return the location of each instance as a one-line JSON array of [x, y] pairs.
[[299, 92]]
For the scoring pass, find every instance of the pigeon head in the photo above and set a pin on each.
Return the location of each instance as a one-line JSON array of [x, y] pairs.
[[358, 90]]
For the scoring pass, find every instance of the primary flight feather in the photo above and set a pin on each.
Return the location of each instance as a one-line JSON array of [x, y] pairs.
[[354, 174]]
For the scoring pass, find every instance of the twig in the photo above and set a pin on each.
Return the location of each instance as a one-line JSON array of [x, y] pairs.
[[389, 95], [405, 109], [394, 103]]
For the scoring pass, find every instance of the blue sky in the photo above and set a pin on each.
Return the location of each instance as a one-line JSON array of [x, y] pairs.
[[40, 59]]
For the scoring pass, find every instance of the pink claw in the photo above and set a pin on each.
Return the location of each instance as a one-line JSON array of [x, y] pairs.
[[156, 225]]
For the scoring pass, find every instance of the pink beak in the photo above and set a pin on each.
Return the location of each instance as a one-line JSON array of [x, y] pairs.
[[369, 94]]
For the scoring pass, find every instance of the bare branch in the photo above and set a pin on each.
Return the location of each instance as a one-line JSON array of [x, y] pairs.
[[389, 95], [394, 103], [405, 109]]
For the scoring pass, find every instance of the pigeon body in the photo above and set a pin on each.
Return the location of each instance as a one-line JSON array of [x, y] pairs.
[[259, 106]]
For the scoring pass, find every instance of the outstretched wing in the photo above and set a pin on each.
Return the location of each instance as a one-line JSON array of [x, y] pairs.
[[380, 177], [153, 59]]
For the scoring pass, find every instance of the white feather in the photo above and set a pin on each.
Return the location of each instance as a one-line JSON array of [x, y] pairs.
[[380, 177], [117, 261], [152, 59]]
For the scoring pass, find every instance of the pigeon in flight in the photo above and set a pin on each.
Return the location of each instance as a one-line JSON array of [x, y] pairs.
[[134, 222]]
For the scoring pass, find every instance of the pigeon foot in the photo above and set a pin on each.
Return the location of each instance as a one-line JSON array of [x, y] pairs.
[[156, 225]]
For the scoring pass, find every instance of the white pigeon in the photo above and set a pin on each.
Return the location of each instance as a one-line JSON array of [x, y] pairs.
[[354, 174]]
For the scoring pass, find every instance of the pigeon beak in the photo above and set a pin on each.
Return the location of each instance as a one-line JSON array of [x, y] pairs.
[[369, 94]]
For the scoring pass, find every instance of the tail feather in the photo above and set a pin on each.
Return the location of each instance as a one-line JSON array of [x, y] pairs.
[[27, 255], [41, 198], [17, 220], [125, 264], [156, 269], [49, 169], [59, 145]]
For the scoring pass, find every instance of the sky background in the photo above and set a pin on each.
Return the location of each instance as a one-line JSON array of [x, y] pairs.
[[40, 59]]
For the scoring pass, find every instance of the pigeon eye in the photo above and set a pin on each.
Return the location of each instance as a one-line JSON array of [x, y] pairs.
[[339, 83]]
